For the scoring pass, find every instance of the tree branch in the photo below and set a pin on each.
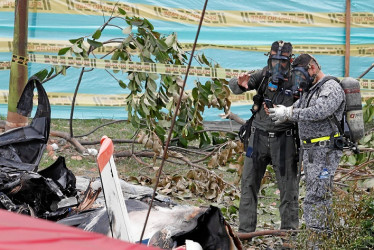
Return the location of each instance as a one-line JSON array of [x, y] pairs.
[[246, 236], [67, 137]]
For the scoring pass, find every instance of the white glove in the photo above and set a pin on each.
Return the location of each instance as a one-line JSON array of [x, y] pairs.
[[280, 113]]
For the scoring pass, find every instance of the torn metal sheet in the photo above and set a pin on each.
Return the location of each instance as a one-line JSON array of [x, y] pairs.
[[62, 176], [22, 148], [115, 203], [48, 193]]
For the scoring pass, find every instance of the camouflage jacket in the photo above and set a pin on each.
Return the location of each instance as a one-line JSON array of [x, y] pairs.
[[312, 118]]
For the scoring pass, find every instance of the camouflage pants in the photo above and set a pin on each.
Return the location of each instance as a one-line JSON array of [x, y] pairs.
[[269, 153], [318, 197]]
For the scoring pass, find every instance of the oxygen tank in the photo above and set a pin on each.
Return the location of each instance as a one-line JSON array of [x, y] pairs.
[[354, 115]]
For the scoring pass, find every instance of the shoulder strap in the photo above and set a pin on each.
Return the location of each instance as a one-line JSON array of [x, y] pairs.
[[325, 79]]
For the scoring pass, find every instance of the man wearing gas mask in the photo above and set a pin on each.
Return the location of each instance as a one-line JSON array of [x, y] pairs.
[[322, 100], [269, 143]]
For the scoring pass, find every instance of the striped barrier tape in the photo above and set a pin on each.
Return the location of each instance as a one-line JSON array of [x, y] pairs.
[[218, 18], [157, 68], [100, 100], [50, 46], [4, 65], [20, 60]]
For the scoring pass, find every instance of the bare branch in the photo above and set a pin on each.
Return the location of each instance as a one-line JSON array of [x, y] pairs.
[[67, 137]]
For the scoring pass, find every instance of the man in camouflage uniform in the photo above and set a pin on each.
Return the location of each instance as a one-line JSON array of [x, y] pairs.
[[269, 143], [323, 99]]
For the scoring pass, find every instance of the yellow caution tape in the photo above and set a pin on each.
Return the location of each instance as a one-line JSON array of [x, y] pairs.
[[156, 68], [219, 18], [65, 99], [99, 100], [50, 46], [4, 65], [21, 60]]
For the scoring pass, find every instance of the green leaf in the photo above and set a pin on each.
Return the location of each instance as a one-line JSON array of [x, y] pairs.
[[147, 24], [135, 121], [144, 107], [42, 74], [121, 11], [162, 45], [115, 55], [141, 112], [123, 55], [352, 159], [204, 140], [160, 131], [195, 94], [51, 72], [122, 84], [63, 70], [183, 142], [132, 46], [97, 34], [153, 76], [63, 51], [94, 44], [204, 59], [73, 41], [152, 86], [369, 101]]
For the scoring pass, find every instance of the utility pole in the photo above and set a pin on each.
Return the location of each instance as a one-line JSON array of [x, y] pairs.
[[347, 37], [18, 68]]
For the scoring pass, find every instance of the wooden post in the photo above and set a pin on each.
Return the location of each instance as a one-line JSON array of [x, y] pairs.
[[18, 68], [347, 36]]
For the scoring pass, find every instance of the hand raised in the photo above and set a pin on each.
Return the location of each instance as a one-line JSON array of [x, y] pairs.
[[243, 80]]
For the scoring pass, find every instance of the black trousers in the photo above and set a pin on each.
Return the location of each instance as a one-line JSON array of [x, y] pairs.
[[268, 150]]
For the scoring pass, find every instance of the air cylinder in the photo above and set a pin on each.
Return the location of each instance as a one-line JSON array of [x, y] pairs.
[[354, 114]]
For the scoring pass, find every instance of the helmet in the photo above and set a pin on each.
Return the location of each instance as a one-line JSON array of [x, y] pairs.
[[279, 64]]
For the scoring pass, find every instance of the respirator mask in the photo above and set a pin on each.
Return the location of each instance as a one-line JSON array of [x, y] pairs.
[[279, 66], [301, 79]]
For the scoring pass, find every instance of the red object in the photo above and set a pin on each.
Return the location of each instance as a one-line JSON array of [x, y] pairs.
[[24, 232], [105, 152]]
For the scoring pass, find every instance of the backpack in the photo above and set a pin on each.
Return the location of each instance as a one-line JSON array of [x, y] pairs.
[[351, 126]]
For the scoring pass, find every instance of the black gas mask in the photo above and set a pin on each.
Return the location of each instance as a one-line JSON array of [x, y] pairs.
[[300, 79], [279, 66]]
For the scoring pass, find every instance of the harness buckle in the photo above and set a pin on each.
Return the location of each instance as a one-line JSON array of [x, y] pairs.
[[271, 134], [253, 130], [323, 143], [289, 132]]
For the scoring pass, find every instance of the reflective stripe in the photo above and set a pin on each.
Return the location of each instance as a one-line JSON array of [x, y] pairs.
[[325, 138]]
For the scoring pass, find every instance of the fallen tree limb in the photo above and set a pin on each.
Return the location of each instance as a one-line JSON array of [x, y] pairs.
[[247, 236], [184, 159], [204, 169], [355, 169], [141, 162], [234, 117], [67, 137], [113, 140]]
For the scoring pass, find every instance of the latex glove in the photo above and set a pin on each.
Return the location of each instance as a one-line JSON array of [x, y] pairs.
[[280, 113]]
